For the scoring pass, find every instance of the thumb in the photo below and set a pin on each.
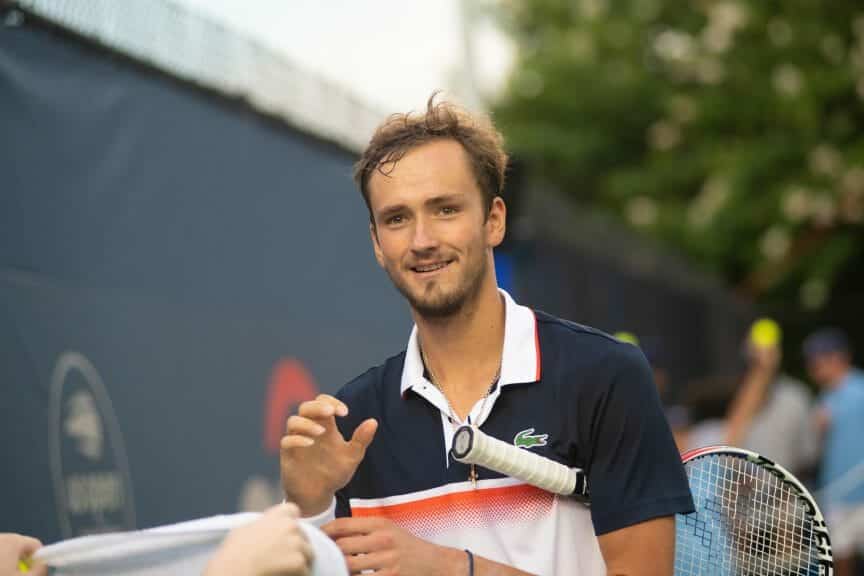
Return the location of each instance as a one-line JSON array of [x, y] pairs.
[[364, 434]]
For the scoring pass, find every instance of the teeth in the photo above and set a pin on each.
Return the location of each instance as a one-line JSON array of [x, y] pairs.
[[430, 268]]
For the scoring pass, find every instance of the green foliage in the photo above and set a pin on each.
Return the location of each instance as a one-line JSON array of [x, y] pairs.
[[730, 129]]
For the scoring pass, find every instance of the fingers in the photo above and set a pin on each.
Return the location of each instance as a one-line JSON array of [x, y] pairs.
[[364, 434], [28, 546], [324, 406], [365, 544], [302, 425], [376, 561], [348, 526]]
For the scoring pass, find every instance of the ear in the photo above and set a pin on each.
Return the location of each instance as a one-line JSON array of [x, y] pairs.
[[496, 222], [376, 246]]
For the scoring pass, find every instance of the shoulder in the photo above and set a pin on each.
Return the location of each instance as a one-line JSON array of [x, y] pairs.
[[792, 389], [567, 346], [373, 382]]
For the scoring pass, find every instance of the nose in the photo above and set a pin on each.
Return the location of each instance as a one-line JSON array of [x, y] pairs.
[[423, 238]]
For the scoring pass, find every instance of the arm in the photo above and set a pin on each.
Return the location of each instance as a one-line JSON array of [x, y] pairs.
[[315, 459], [647, 548], [378, 544], [750, 398], [637, 480]]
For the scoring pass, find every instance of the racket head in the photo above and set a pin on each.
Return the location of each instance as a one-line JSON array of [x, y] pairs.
[[752, 518]]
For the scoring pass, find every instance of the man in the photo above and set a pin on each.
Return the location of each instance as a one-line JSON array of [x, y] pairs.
[[840, 421], [432, 185], [770, 413]]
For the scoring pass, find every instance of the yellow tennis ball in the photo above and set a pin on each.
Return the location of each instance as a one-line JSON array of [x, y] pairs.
[[628, 337], [23, 567], [765, 333]]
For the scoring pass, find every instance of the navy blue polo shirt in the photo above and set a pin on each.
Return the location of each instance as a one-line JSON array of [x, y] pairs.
[[578, 396]]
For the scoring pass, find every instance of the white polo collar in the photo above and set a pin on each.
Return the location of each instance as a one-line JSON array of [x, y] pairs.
[[520, 362]]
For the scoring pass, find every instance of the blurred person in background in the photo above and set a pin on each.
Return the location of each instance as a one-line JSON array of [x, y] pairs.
[[840, 425], [771, 411], [707, 399]]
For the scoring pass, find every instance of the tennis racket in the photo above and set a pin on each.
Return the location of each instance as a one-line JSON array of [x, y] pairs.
[[752, 518]]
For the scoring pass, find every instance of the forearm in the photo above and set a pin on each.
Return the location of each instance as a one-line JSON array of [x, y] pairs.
[[746, 405]]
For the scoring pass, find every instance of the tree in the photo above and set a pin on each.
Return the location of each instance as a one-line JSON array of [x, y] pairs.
[[732, 130]]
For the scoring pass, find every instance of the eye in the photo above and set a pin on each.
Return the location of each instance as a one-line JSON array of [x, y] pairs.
[[448, 210], [394, 220]]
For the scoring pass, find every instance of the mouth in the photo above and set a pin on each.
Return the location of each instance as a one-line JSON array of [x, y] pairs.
[[430, 268]]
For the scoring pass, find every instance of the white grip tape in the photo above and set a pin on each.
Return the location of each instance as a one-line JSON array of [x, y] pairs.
[[521, 464]]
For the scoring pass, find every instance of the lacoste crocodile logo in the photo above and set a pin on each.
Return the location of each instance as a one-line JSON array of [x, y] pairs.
[[527, 439]]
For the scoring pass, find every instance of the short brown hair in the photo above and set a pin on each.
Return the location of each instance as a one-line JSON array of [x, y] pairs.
[[441, 121]]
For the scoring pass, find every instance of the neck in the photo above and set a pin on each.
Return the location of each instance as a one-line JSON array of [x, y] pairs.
[[464, 351]]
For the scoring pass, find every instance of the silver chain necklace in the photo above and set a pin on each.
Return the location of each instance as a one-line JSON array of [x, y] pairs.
[[451, 414]]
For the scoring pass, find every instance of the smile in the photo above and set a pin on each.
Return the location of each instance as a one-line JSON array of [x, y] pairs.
[[429, 268]]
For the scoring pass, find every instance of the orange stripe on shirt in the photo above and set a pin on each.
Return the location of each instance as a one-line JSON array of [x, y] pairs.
[[478, 507]]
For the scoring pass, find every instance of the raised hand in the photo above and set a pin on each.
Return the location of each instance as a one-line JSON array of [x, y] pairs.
[[315, 459]]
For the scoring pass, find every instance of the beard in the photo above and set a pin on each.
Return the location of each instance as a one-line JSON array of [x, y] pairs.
[[434, 301]]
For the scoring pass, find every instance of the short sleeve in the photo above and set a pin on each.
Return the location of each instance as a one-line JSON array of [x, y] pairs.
[[635, 471]]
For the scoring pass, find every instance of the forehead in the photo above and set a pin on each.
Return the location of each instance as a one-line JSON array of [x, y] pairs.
[[437, 167]]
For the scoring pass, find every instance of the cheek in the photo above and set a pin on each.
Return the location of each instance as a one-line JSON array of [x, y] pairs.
[[390, 246]]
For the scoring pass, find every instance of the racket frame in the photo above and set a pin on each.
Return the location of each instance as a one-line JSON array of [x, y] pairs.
[[824, 556]]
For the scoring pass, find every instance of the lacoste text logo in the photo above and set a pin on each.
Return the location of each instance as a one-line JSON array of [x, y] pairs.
[[527, 439]]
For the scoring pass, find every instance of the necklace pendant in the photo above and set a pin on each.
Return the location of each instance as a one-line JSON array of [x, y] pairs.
[[472, 475]]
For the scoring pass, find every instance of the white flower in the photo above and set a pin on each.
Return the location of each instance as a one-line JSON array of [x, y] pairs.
[[796, 203], [825, 160], [724, 18], [674, 46], [823, 210], [728, 15], [664, 135], [642, 211], [787, 80], [853, 181], [712, 197], [775, 243], [592, 9]]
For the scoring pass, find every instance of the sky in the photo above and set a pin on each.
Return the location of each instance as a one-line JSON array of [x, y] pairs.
[[390, 53]]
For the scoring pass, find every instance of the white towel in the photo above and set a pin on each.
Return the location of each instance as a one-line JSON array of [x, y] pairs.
[[176, 549]]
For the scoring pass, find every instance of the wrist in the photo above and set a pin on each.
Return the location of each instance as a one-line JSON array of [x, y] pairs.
[[454, 562], [310, 506]]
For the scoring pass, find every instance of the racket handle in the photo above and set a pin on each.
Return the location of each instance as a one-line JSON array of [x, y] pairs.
[[471, 446]]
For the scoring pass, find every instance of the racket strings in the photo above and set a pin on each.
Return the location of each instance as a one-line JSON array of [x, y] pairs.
[[747, 521]]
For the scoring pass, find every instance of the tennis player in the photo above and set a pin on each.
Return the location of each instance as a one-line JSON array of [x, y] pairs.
[[377, 455]]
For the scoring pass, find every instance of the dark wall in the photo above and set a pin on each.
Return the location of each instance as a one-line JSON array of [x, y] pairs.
[[170, 247]]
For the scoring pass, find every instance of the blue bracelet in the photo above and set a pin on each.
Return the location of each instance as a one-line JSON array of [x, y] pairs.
[[470, 562]]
